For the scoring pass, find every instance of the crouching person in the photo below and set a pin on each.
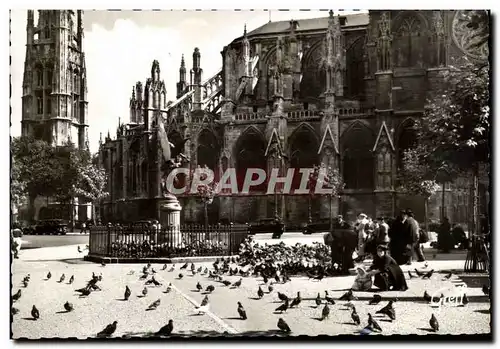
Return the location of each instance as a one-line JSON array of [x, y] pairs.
[[388, 274]]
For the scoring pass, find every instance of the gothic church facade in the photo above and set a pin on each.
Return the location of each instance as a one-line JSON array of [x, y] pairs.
[[338, 90]]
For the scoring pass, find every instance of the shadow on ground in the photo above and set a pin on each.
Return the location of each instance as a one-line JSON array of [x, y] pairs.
[[214, 334]]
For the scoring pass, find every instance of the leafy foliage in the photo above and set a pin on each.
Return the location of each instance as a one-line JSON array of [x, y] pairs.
[[454, 132], [414, 177], [92, 183], [327, 178]]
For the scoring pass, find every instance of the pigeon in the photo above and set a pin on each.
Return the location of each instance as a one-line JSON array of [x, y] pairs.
[[180, 276], [14, 311], [283, 326], [326, 312], [103, 264], [486, 290], [375, 300], [205, 271], [49, 275], [296, 301], [427, 297], [447, 277], [329, 299], [204, 301], [428, 275], [410, 275], [84, 291], [202, 309], [79, 249], [210, 288], [144, 292], [419, 273], [127, 294], [434, 323], [465, 300], [283, 297], [144, 276], [388, 310], [348, 296], [25, 283], [199, 287], [260, 293], [238, 283], [108, 330], [164, 267], [242, 312], [35, 313], [277, 278], [16, 296], [71, 279], [349, 305], [270, 288], [62, 278], [265, 279], [373, 324], [169, 288], [200, 269], [192, 267], [283, 307], [355, 317], [154, 305], [318, 300], [185, 266], [226, 282], [68, 306], [167, 329]]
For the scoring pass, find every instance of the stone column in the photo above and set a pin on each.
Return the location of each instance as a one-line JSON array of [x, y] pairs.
[[170, 220]]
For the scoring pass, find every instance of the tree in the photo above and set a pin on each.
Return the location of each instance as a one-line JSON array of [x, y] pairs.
[[33, 169], [416, 179], [454, 132], [91, 185], [328, 178]]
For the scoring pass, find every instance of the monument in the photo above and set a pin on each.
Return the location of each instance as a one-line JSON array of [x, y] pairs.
[[170, 209]]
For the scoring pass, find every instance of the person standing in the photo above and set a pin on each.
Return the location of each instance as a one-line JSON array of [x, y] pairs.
[[360, 229], [83, 228], [445, 239], [414, 238], [382, 232], [397, 237]]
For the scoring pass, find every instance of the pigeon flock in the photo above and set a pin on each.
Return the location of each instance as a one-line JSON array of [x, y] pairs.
[[216, 277]]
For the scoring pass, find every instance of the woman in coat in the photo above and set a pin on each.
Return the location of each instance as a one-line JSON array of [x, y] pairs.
[[388, 274]]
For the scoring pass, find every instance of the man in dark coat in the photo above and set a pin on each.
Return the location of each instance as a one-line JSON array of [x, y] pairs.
[[398, 238], [413, 238]]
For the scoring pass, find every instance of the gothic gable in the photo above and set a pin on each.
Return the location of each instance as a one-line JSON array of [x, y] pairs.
[[383, 137]]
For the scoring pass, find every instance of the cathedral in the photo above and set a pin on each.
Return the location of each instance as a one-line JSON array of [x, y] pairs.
[[54, 97], [343, 91]]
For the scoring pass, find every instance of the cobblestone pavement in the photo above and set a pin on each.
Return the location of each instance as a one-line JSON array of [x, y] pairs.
[[93, 313]]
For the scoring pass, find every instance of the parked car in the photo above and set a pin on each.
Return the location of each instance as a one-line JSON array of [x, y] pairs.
[[51, 227], [267, 225], [319, 226]]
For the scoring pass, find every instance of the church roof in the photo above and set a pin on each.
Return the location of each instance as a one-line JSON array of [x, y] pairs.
[[354, 20]]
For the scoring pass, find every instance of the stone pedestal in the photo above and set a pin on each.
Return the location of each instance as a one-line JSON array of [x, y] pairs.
[[170, 220]]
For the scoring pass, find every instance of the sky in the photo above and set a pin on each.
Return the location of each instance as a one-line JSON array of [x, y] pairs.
[[120, 47]]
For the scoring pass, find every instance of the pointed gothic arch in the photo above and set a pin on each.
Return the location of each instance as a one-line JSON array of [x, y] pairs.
[[355, 69], [357, 158], [313, 73], [207, 152], [410, 37], [249, 152], [303, 150]]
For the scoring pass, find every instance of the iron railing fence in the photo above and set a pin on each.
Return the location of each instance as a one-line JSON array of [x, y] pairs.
[[146, 241]]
